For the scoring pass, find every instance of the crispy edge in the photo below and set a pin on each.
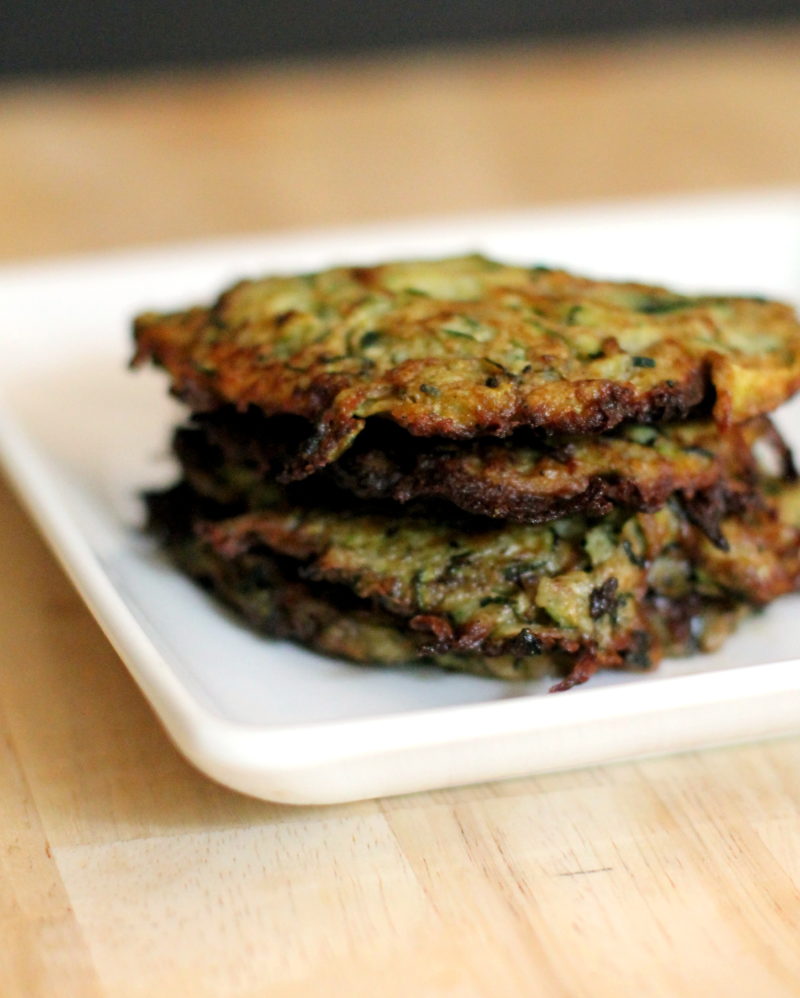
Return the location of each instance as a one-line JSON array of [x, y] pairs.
[[712, 473]]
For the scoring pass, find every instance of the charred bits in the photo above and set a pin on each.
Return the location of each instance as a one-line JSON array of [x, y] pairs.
[[603, 599]]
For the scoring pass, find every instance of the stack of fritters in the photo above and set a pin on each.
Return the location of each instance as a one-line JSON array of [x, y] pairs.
[[499, 469]]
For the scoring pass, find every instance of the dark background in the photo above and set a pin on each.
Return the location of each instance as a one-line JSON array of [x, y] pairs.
[[44, 38]]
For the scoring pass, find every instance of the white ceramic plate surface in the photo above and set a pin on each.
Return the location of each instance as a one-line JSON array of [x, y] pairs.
[[80, 436]]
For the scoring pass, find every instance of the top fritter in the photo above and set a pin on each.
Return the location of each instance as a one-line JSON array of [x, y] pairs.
[[466, 347]]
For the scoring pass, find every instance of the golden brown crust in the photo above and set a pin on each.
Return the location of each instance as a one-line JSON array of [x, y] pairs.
[[467, 347]]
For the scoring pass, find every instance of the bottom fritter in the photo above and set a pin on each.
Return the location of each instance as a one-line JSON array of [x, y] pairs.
[[280, 587]]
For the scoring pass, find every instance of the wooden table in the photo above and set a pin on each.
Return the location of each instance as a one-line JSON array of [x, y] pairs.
[[123, 871]]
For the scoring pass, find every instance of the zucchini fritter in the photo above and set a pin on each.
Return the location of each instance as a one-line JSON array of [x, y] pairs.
[[523, 479], [501, 588], [465, 347], [269, 592], [500, 469]]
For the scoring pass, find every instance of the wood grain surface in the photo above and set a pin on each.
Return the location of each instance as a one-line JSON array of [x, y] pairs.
[[123, 872]]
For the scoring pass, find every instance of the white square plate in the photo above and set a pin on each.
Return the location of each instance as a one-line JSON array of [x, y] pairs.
[[80, 436]]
